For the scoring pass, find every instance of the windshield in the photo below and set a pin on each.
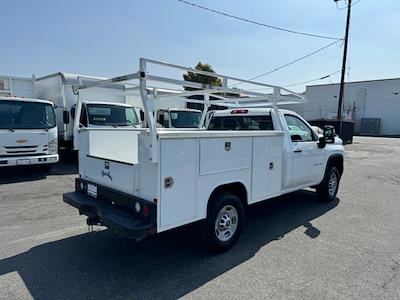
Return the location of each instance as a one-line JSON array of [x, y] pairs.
[[26, 115], [241, 123], [105, 114], [185, 119]]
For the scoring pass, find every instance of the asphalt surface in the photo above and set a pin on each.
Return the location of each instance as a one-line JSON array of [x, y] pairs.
[[293, 247]]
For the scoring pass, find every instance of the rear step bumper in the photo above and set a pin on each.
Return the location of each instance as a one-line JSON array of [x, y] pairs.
[[123, 223]]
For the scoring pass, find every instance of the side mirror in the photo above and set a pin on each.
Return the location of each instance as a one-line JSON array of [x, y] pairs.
[[141, 115], [329, 134], [166, 120], [296, 138], [321, 142], [65, 116], [73, 112]]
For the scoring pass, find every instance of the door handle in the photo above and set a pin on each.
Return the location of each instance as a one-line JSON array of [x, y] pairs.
[[297, 150]]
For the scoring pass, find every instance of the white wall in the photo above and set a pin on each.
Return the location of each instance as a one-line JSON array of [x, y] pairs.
[[370, 99]]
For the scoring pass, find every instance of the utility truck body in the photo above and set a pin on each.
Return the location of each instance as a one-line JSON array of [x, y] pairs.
[[141, 181]]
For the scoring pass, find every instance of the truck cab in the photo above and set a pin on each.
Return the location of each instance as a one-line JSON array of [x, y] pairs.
[[99, 114], [28, 132], [179, 118], [305, 151]]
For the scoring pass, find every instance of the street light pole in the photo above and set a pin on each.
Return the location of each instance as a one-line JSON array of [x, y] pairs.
[[346, 40]]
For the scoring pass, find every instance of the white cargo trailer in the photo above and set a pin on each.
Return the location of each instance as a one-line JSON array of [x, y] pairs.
[[140, 182]]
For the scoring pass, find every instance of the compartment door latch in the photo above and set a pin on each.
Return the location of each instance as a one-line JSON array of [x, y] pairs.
[[168, 182]]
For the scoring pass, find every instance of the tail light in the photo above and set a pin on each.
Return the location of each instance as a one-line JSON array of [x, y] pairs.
[[239, 111], [145, 211], [80, 186]]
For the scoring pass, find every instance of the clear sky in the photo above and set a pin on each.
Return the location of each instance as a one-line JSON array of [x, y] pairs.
[[106, 38]]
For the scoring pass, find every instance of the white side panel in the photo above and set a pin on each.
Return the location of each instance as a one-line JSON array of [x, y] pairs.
[[220, 165], [23, 87], [51, 89], [116, 175], [224, 154], [207, 184], [115, 145], [267, 167], [178, 161], [149, 172]]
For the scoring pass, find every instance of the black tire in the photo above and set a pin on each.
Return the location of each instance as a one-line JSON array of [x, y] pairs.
[[329, 187], [224, 208]]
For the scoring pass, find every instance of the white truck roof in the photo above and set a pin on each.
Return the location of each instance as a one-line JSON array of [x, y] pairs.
[[242, 111], [181, 109], [107, 103], [25, 99]]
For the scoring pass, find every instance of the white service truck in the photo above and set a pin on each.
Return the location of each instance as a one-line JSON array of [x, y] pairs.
[[115, 108], [139, 182], [28, 132]]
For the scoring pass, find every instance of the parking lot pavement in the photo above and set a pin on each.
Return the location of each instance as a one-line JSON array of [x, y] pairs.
[[291, 247]]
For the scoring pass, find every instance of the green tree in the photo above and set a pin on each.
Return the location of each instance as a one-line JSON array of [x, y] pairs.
[[190, 76]]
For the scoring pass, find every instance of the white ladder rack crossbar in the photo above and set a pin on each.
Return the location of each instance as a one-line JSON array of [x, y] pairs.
[[225, 95]]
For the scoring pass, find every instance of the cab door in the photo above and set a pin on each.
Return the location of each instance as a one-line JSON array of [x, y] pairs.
[[307, 157]]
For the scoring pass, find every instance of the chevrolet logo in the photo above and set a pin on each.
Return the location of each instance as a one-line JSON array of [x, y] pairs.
[[21, 141]]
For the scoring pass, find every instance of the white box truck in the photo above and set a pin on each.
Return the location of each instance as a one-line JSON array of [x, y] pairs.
[[114, 108], [28, 132], [139, 182]]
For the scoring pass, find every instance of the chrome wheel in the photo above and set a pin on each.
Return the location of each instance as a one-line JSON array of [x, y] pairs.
[[226, 223], [332, 185]]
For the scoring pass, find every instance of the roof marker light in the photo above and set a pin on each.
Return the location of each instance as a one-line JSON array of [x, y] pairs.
[[239, 111]]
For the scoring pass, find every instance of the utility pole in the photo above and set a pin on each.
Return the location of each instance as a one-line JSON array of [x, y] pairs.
[[346, 40]]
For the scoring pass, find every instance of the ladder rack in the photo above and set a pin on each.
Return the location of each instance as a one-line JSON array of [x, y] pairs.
[[227, 94]]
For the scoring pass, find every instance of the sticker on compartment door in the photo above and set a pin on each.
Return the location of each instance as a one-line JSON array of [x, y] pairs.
[[106, 172], [228, 146]]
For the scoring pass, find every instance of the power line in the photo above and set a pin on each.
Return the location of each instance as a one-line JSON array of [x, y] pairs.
[[292, 62], [316, 79], [258, 23], [303, 82]]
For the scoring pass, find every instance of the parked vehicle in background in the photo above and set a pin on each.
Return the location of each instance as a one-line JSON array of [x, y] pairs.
[[142, 181], [99, 114], [179, 118], [28, 132], [114, 108]]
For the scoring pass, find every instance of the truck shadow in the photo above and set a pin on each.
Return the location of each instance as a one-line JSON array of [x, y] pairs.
[[170, 265], [32, 173]]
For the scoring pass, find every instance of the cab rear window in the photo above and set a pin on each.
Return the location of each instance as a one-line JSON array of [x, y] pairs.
[[241, 123]]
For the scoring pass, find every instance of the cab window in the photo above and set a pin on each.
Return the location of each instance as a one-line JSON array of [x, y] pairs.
[[298, 130], [241, 123]]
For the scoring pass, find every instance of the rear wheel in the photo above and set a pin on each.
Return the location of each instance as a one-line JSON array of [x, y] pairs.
[[329, 187], [224, 222]]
